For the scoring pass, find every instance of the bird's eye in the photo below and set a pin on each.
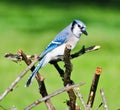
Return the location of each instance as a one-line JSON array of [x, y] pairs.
[[79, 26], [82, 27]]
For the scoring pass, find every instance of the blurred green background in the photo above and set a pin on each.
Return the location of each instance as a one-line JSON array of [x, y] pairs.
[[31, 25]]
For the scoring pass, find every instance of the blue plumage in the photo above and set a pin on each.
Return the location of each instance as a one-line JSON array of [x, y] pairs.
[[34, 72], [60, 39], [69, 35]]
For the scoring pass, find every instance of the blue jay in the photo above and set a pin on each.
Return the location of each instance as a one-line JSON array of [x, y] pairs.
[[69, 35]]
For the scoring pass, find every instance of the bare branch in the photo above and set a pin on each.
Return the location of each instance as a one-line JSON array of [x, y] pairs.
[[104, 99], [77, 91], [85, 50], [61, 72], [17, 57], [67, 81], [94, 87], [21, 56], [10, 88], [40, 80], [99, 106], [68, 65], [66, 88]]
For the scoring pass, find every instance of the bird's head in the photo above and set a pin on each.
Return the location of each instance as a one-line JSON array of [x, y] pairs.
[[78, 28]]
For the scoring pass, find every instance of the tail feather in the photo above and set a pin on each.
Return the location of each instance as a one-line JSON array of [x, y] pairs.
[[34, 73], [28, 82]]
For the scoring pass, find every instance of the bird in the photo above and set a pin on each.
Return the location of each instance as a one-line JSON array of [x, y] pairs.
[[69, 35]]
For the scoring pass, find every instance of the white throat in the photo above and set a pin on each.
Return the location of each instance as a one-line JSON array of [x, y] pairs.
[[76, 31]]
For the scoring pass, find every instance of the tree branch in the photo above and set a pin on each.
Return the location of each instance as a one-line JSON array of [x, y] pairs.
[[67, 75], [85, 50], [61, 72], [66, 88], [104, 99], [79, 53], [10, 88], [94, 87], [40, 80], [76, 89], [16, 57]]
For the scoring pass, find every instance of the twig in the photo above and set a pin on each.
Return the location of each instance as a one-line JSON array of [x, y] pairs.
[[40, 80], [99, 106], [10, 88], [38, 77], [68, 65], [76, 89], [41, 84], [16, 57], [94, 87], [85, 50], [79, 53], [104, 99], [67, 75], [61, 72], [66, 88]]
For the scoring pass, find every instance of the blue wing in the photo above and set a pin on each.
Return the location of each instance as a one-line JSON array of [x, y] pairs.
[[60, 39]]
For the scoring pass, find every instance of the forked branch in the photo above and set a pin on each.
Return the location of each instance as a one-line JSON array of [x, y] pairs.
[[40, 80], [17, 57], [66, 88]]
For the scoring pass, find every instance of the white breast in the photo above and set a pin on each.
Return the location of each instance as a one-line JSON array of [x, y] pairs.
[[59, 51], [54, 54], [73, 41]]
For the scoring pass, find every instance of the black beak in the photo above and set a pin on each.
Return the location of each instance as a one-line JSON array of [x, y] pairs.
[[84, 32]]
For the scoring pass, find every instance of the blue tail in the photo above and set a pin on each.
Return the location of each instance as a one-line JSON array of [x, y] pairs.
[[34, 73]]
